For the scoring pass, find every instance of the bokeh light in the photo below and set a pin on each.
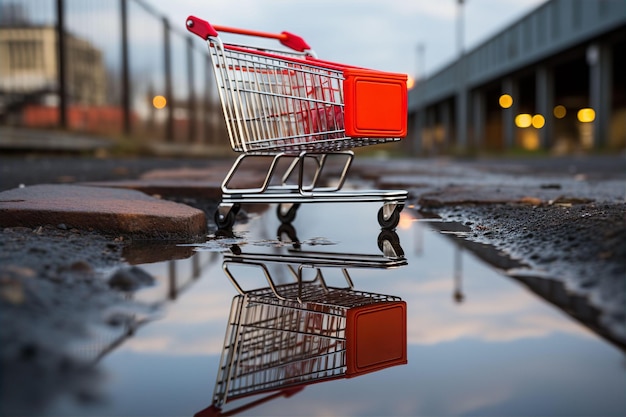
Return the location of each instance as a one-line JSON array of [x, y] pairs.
[[530, 139], [586, 115], [559, 111], [505, 101], [410, 82], [406, 220], [538, 121], [523, 120], [159, 102]]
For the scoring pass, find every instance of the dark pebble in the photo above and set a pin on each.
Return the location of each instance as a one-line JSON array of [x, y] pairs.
[[130, 279]]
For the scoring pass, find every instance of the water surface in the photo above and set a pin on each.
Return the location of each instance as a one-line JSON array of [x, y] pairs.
[[478, 342]]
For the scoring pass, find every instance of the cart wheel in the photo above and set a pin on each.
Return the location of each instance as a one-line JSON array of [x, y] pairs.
[[235, 249], [225, 221], [290, 232], [286, 213], [393, 219], [391, 238]]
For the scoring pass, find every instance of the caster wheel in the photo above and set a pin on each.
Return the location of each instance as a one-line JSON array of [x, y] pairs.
[[287, 233], [225, 221], [389, 243], [287, 215], [393, 220]]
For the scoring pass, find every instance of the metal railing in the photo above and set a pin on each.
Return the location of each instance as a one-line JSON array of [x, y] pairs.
[[120, 69]]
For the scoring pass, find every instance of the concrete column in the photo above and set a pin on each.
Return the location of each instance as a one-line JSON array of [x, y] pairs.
[[600, 63], [446, 121], [509, 86], [478, 119], [429, 136], [461, 102], [544, 103], [418, 131], [461, 118]]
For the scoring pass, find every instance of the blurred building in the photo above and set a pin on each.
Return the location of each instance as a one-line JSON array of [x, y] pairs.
[[553, 80], [29, 74], [81, 66]]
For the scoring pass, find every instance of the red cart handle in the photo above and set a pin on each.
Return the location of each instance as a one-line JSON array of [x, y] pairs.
[[204, 29]]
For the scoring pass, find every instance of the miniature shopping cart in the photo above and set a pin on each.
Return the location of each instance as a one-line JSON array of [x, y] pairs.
[[294, 110], [283, 337]]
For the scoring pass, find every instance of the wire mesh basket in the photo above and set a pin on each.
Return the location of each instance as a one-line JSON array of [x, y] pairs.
[[273, 344], [285, 101]]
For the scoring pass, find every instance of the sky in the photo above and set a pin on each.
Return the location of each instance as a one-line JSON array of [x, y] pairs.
[[377, 34]]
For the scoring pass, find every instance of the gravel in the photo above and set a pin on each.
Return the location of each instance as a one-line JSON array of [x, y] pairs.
[[580, 246], [56, 298]]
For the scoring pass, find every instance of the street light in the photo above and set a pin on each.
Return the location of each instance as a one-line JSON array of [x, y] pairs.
[[460, 29], [420, 69]]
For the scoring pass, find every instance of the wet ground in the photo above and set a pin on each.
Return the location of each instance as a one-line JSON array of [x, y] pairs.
[[477, 342], [98, 325]]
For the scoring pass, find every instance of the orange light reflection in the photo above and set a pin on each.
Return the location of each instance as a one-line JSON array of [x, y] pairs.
[[406, 220]]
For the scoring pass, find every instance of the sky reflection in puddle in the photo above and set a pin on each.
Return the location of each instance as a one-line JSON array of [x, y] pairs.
[[477, 342]]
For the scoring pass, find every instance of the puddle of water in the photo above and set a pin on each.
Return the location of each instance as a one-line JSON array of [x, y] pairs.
[[476, 341]]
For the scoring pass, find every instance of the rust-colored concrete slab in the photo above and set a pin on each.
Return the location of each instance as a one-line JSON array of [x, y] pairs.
[[187, 182], [214, 173], [104, 209], [167, 188], [249, 175]]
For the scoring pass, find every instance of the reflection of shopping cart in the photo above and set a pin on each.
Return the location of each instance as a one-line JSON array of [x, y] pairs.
[[289, 105], [273, 345], [296, 262], [284, 336]]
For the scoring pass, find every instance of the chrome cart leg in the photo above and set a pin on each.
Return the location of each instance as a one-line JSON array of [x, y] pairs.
[[266, 181], [321, 162], [290, 170], [298, 166], [266, 273]]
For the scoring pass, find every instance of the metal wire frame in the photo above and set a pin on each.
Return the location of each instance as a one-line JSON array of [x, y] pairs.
[[300, 290], [284, 336], [275, 344], [271, 103]]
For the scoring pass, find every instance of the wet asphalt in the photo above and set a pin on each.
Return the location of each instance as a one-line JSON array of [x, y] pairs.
[[558, 217]]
